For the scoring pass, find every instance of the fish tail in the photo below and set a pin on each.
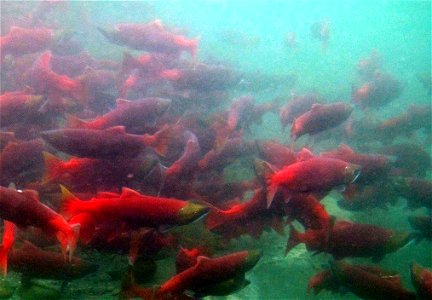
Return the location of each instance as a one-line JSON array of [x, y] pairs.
[[53, 167], [87, 226], [68, 240], [8, 240], [75, 122], [293, 240], [130, 290], [69, 203], [3, 260], [215, 218], [160, 140], [265, 172]]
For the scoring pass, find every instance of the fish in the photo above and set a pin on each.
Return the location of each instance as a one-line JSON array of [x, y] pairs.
[[296, 106], [133, 208], [8, 240], [348, 239], [369, 282], [34, 262], [20, 41], [19, 106], [316, 174], [421, 279], [208, 276], [151, 37], [127, 113], [24, 209], [423, 225], [373, 167], [319, 118], [108, 143]]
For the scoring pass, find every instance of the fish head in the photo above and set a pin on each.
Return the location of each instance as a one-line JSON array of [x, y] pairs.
[[191, 212], [251, 260], [351, 173], [398, 240], [162, 105]]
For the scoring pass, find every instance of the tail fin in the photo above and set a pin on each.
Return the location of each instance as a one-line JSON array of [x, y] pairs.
[[7, 244], [75, 122], [160, 140], [68, 240], [190, 44], [293, 240], [265, 172], [215, 218], [130, 290], [87, 226], [53, 167], [69, 203]]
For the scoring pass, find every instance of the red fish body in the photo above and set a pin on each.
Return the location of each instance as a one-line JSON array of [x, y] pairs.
[[21, 41], [90, 174], [152, 37], [381, 90], [134, 209], [21, 162], [210, 271], [369, 285], [421, 278], [276, 154], [241, 109], [34, 262], [24, 209], [418, 192], [321, 117], [295, 107], [46, 81], [18, 106], [129, 114], [231, 150], [316, 174], [108, 143], [347, 239], [373, 167], [188, 160]]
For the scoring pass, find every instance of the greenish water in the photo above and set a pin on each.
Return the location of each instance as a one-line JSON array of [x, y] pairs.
[[251, 37]]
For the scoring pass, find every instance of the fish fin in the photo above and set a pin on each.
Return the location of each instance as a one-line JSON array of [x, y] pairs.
[[75, 122], [69, 203], [215, 218], [127, 192], [265, 171], [316, 106], [160, 140], [304, 154], [7, 244], [69, 240], [87, 226], [129, 289], [53, 166], [122, 102], [293, 240]]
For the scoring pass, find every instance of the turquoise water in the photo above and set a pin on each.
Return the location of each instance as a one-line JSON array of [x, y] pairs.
[[250, 37]]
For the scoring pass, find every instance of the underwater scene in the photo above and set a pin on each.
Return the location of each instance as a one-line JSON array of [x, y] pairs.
[[216, 150]]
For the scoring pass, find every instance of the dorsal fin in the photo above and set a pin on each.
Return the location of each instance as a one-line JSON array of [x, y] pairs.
[[116, 129], [316, 106], [304, 154], [127, 192], [345, 149], [121, 101]]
